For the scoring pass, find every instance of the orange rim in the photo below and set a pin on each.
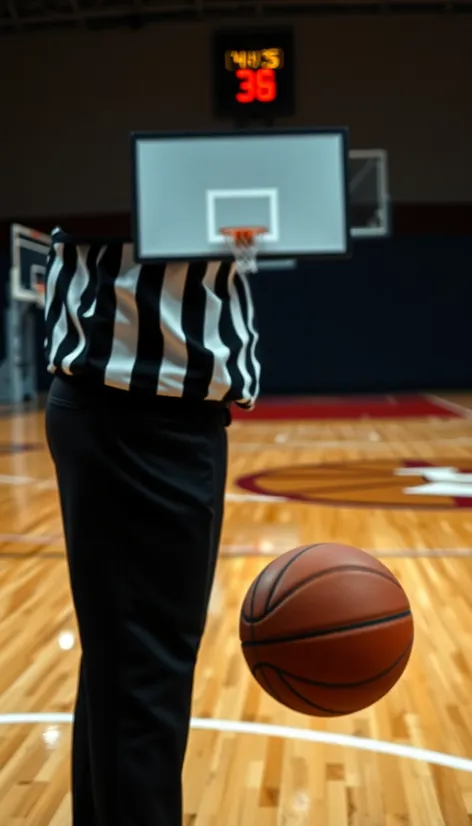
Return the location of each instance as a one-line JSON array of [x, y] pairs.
[[242, 234]]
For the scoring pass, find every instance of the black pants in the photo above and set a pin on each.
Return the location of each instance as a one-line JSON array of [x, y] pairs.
[[141, 489]]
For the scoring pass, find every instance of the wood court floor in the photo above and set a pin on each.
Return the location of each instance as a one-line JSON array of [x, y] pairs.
[[248, 778]]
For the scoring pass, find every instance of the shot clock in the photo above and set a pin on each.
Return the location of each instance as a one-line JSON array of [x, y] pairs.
[[253, 73]]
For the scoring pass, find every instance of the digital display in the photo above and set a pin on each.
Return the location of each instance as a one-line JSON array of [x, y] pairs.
[[254, 73], [255, 59]]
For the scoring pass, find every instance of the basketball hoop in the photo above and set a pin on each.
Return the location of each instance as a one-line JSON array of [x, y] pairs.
[[242, 242]]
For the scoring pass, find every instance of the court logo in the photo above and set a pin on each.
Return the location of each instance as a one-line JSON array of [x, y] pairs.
[[383, 483]]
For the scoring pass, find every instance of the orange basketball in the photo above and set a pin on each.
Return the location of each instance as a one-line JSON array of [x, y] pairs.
[[326, 629]]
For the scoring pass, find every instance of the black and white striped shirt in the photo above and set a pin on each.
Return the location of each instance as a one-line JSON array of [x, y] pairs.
[[185, 330]]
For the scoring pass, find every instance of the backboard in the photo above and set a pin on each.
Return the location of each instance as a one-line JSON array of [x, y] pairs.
[[187, 187], [369, 193], [29, 253]]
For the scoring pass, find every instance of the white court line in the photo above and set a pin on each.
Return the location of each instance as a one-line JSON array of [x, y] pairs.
[[286, 732], [454, 407], [42, 483], [45, 484], [320, 444], [382, 553], [30, 538], [255, 550], [16, 480]]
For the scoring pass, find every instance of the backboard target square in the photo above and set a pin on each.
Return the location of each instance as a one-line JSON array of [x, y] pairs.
[[240, 207]]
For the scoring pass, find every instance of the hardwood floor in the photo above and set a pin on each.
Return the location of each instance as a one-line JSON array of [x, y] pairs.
[[252, 777]]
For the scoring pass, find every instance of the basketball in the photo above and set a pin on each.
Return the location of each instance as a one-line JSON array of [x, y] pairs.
[[326, 629]]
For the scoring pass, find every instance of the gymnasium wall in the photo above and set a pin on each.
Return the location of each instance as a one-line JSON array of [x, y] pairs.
[[69, 99], [391, 318], [396, 317]]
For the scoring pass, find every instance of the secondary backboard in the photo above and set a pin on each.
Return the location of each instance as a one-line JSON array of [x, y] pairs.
[[369, 193], [29, 254], [188, 186]]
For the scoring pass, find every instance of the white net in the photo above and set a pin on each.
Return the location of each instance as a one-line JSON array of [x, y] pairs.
[[243, 245]]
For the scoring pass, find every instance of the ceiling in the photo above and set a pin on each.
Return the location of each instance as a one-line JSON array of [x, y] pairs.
[[17, 16]]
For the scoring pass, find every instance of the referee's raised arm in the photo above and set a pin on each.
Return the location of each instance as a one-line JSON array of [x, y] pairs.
[[146, 362]]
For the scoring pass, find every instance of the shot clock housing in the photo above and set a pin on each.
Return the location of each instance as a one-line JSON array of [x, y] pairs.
[[253, 73]]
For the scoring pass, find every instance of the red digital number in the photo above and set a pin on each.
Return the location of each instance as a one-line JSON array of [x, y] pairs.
[[266, 85], [247, 86], [260, 85]]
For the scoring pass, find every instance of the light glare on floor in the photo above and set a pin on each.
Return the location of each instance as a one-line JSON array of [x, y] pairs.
[[51, 736], [66, 640], [265, 546]]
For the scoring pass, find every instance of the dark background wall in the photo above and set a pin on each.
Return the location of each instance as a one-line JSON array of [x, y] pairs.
[[70, 99], [394, 317]]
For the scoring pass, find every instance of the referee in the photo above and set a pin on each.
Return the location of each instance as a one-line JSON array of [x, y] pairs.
[[146, 361]]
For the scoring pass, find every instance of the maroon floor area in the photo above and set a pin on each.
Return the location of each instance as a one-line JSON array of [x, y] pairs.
[[348, 407]]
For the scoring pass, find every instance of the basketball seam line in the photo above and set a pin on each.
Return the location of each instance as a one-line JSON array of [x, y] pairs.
[[270, 687], [281, 573], [336, 712], [319, 684], [269, 608], [327, 632]]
